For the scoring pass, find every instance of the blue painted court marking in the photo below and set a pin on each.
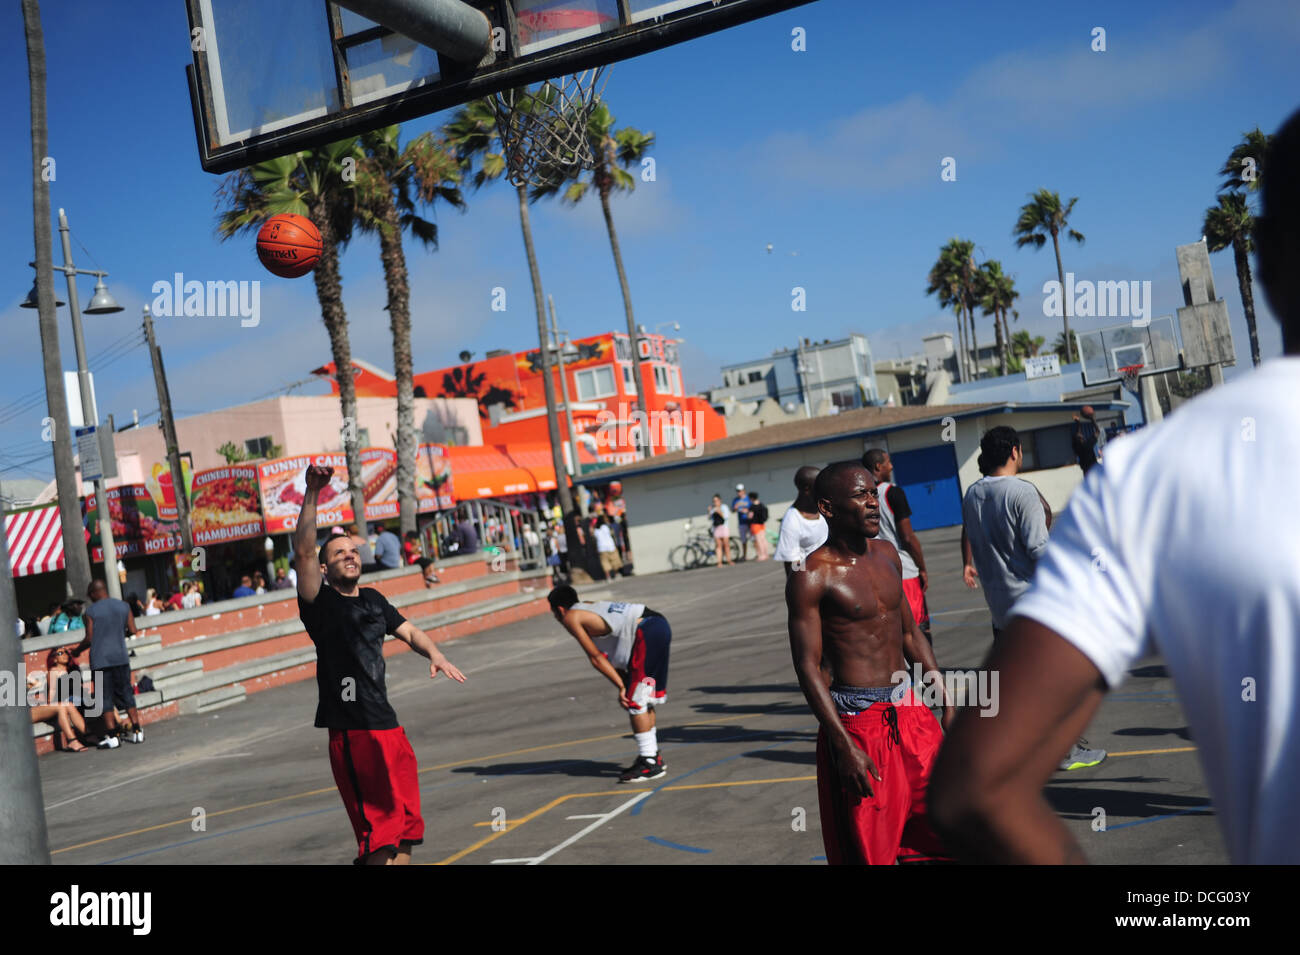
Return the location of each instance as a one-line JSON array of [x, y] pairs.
[[219, 835], [819, 858], [673, 845], [1172, 815]]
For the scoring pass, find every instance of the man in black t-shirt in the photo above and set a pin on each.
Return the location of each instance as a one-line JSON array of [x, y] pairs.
[[373, 763], [896, 527]]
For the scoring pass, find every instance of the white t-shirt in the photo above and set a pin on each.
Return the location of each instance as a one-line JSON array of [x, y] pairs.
[[1186, 541], [799, 536], [604, 540]]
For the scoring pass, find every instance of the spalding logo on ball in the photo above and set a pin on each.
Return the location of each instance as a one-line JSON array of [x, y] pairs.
[[289, 245]]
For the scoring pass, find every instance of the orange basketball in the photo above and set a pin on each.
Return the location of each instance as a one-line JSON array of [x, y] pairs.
[[289, 245]]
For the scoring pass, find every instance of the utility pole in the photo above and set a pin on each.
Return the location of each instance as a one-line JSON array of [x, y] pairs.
[[169, 436]]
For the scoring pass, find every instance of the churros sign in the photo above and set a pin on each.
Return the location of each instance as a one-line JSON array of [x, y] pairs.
[[224, 505], [284, 483]]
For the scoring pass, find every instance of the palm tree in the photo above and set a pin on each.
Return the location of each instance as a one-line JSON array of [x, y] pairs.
[[1231, 224], [615, 151], [473, 134], [1041, 216], [1024, 345], [1246, 156], [391, 183], [1059, 347], [312, 183], [997, 294], [954, 278]]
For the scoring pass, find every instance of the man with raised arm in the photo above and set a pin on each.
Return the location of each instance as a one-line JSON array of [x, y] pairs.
[[877, 740], [373, 763]]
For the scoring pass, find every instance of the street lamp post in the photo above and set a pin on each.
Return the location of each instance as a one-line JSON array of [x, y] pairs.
[[101, 304], [560, 353]]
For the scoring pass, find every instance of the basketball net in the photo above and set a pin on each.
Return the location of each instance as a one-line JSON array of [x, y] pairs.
[[544, 130], [1129, 375]]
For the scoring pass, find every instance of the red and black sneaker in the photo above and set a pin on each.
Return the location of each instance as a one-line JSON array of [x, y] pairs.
[[645, 769]]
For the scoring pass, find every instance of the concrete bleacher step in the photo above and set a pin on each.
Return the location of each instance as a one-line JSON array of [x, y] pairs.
[[170, 675], [213, 699]]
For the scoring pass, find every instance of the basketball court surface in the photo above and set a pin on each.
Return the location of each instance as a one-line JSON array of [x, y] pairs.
[[519, 765]]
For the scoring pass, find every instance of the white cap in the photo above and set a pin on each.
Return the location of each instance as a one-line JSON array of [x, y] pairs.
[[740, 487]]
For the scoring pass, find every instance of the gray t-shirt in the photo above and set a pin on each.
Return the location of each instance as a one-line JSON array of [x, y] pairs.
[[388, 550], [1007, 530], [108, 642]]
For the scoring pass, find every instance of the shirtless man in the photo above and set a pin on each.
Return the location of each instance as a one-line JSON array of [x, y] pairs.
[[877, 741]]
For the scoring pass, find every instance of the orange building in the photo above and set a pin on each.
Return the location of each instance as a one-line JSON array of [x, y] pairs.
[[608, 420]]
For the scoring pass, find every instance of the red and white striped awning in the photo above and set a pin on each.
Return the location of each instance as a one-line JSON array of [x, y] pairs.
[[35, 541]]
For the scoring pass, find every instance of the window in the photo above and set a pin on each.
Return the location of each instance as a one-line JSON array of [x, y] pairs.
[[258, 447], [677, 382], [628, 384], [1047, 448], [662, 383], [844, 399], [595, 383], [755, 376]]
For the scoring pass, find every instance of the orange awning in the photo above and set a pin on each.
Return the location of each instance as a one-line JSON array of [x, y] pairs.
[[487, 471]]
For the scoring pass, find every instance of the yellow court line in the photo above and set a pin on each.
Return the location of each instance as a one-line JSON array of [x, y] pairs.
[[331, 789], [608, 792], [1156, 752]]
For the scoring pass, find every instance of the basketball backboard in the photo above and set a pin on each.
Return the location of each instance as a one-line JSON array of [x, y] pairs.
[[271, 78], [1104, 351]]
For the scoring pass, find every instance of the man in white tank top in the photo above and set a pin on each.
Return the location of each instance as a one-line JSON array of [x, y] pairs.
[[628, 644], [803, 529]]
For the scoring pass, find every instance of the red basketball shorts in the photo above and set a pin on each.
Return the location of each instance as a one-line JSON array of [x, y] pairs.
[[377, 777], [890, 826], [916, 599]]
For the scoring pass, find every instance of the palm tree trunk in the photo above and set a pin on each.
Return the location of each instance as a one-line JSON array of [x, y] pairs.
[[1002, 342], [22, 818], [974, 338], [399, 318], [1247, 296], [1065, 305], [963, 370], [329, 292], [576, 549], [643, 388]]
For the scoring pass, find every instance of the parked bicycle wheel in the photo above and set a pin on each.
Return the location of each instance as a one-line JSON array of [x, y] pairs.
[[735, 549], [684, 557]]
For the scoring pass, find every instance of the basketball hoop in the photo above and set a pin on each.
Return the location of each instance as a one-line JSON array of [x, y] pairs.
[[544, 130], [1129, 375]]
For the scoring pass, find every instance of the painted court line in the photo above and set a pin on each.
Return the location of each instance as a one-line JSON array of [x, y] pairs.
[[538, 860]]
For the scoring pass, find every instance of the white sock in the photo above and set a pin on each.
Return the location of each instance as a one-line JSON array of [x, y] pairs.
[[646, 743]]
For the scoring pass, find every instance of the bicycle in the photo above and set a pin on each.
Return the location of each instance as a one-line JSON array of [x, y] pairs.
[[699, 549]]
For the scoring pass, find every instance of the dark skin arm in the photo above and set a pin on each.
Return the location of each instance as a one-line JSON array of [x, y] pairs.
[[917, 649], [803, 595], [986, 792]]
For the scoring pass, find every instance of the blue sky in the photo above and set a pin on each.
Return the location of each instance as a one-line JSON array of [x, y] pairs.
[[832, 155]]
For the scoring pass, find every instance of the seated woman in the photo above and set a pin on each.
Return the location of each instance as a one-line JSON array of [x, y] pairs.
[[47, 706]]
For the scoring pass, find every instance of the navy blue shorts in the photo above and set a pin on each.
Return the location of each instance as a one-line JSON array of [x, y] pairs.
[[113, 686], [647, 670]]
